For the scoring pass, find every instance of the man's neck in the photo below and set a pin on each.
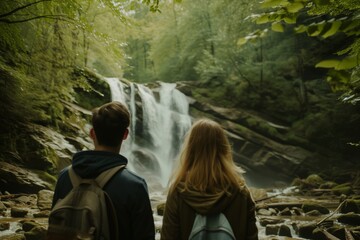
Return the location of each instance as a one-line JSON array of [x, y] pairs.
[[107, 149]]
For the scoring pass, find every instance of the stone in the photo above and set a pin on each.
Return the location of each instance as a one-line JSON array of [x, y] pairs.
[[160, 209], [313, 213], [306, 230], [271, 229], [264, 212], [285, 212], [350, 218], [266, 221], [18, 212], [42, 214], [350, 205], [28, 225], [36, 233], [4, 226], [285, 231], [307, 207], [44, 201], [2, 207]]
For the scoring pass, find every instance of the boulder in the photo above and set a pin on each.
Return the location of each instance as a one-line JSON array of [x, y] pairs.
[[307, 207], [272, 229], [272, 221], [350, 218], [19, 179], [160, 209], [45, 199], [350, 205], [18, 212], [285, 231], [306, 230]]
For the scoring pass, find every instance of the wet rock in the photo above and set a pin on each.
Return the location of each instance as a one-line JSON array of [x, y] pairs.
[[36, 233], [297, 211], [285, 231], [350, 218], [13, 237], [18, 212], [319, 234], [21, 179], [314, 180], [266, 221], [264, 212], [42, 214], [313, 213], [45, 199], [350, 205], [307, 207], [328, 185], [2, 207], [285, 212], [160, 209], [272, 229], [4, 226], [28, 225], [306, 230], [345, 189]]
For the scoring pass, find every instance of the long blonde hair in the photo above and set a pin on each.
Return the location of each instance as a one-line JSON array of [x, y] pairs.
[[206, 162]]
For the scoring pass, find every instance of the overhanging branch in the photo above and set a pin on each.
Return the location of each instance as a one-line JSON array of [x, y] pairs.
[[22, 7]]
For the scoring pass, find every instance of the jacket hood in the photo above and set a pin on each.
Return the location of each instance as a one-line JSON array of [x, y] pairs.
[[89, 164], [207, 203]]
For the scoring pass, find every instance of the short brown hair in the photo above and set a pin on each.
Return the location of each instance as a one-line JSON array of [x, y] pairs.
[[110, 122]]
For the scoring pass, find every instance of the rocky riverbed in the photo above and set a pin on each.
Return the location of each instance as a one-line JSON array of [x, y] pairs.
[[310, 209]]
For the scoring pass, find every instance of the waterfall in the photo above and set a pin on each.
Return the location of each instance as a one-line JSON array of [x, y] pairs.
[[159, 121]]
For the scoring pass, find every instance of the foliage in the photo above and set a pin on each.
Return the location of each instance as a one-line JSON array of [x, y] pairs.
[[326, 20]]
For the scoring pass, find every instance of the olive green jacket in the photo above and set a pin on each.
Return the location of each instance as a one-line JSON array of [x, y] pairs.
[[181, 207]]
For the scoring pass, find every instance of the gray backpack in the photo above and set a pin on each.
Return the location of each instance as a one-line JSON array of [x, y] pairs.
[[86, 212], [212, 227]]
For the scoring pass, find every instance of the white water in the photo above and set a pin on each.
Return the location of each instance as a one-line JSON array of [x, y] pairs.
[[165, 120]]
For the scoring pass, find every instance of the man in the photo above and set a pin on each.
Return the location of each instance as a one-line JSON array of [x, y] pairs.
[[127, 191]]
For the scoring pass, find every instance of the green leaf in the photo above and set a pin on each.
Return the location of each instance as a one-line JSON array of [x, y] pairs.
[[242, 41], [290, 19], [264, 18], [301, 29], [347, 63], [330, 63], [274, 3], [295, 7], [321, 2], [277, 27], [315, 29], [333, 29]]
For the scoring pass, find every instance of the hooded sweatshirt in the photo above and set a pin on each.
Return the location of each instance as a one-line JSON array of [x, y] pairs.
[[183, 204], [127, 191]]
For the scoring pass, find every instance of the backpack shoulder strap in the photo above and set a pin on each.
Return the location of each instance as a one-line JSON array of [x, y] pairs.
[[106, 175], [75, 179], [101, 180]]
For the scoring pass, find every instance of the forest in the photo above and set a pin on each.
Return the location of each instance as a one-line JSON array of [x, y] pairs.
[[292, 61], [284, 72]]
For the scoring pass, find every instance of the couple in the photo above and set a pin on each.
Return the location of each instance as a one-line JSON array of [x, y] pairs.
[[207, 180]]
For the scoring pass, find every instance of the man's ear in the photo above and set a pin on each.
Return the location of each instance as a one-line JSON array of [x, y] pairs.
[[126, 133], [92, 134]]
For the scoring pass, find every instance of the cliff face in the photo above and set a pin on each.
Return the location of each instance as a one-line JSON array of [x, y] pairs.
[[267, 150], [272, 153]]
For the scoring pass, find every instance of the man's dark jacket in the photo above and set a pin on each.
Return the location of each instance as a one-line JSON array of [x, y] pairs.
[[128, 192]]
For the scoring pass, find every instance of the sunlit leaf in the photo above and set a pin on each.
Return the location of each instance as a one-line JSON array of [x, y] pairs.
[[347, 63], [295, 7], [315, 30], [330, 63], [262, 19], [277, 27], [333, 29], [290, 19], [274, 3], [242, 41], [301, 29]]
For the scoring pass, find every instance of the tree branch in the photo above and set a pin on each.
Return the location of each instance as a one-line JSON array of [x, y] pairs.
[[22, 7], [57, 17]]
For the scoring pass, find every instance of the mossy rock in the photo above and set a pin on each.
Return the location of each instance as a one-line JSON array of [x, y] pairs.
[[342, 189], [314, 180], [308, 207], [350, 206]]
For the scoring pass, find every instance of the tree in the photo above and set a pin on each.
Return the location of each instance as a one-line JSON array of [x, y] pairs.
[[329, 22]]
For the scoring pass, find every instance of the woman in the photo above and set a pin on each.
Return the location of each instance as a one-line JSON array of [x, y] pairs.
[[208, 182]]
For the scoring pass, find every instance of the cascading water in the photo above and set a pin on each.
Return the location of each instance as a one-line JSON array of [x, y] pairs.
[[159, 123]]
